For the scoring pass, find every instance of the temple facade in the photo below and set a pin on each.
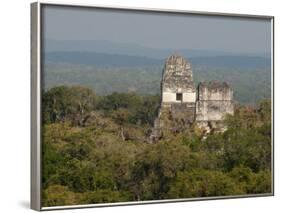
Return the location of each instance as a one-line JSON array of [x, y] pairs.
[[183, 104]]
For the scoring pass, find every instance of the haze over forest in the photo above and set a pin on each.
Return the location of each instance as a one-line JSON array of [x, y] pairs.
[[116, 51], [110, 67]]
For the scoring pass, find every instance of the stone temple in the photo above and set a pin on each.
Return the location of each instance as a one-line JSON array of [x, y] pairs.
[[183, 104]]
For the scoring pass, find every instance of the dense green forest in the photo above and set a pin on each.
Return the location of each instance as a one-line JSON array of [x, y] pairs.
[[250, 84], [95, 150]]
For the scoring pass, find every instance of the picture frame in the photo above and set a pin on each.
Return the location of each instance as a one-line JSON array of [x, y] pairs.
[[37, 75]]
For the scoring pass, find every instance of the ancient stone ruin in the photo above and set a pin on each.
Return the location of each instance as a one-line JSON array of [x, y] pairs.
[[183, 105]]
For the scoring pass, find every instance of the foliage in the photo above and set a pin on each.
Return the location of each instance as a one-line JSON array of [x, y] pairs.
[[130, 107], [68, 103], [106, 159]]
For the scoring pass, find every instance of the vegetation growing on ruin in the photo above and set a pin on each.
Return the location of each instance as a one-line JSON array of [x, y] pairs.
[[95, 150]]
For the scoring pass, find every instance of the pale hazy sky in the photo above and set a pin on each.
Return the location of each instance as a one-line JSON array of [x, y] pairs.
[[158, 30]]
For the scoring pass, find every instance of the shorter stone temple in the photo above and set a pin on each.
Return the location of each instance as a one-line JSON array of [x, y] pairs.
[[183, 105]]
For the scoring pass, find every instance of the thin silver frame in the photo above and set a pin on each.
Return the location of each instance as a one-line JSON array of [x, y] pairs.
[[36, 123]]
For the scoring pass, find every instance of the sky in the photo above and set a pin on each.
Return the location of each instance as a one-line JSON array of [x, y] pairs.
[[158, 30]]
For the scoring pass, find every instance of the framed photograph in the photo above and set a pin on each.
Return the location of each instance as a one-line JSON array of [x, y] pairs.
[[137, 105]]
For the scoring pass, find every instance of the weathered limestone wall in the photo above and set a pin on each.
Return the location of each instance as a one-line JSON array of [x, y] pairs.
[[175, 115], [177, 76], [189, 97], [214, 91], [169, 97], [184, 112], [213, 110], [215, 101]]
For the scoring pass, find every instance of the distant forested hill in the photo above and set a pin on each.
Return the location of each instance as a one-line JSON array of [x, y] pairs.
[[106, 73], [112, 47], [105, 60], [100, 59]]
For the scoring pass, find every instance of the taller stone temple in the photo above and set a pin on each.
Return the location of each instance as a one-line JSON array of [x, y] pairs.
[[182, 104]]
